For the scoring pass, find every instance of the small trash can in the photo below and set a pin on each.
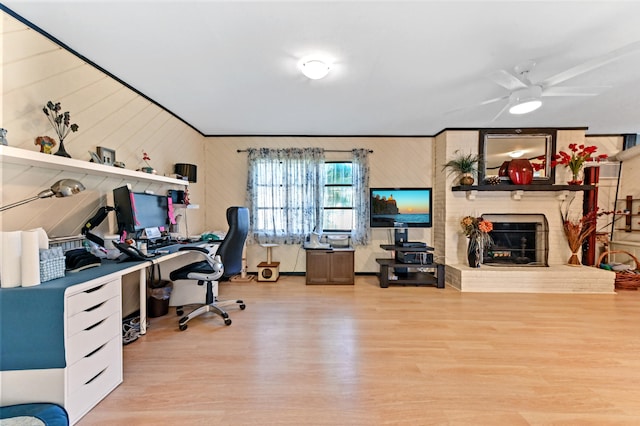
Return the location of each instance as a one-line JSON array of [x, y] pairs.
[[158, 295], [158, 300]]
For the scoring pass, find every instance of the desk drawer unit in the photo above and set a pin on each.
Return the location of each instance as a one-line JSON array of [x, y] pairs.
[[90, 323], [93, 345]]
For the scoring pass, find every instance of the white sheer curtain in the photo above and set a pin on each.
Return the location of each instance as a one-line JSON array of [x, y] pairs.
[[361, 232], [285, 193]]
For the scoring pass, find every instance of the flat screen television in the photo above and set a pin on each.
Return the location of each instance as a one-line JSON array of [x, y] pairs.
[[400, 207], [136, 211]]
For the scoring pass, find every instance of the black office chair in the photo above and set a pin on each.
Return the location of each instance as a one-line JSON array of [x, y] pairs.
[[225, 263]]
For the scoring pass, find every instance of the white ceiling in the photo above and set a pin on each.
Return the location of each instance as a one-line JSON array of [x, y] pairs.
[[400, 68]]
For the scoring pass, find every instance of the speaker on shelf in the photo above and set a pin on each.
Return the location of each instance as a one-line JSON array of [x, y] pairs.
[[188, 170]]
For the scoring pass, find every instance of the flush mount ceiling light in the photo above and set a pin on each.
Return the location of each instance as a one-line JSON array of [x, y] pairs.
[[314, 69], [525, 100]]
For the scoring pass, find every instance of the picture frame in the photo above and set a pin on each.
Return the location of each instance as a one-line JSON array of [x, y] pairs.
[[106, 155], [95, 158]]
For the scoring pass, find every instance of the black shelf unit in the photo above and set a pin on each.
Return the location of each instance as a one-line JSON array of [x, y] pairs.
[[408, 276], [630, 204]]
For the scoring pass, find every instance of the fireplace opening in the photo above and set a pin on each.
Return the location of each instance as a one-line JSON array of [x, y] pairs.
[[518, 240]]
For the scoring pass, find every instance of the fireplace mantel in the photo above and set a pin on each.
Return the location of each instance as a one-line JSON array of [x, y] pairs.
[[518, 190]]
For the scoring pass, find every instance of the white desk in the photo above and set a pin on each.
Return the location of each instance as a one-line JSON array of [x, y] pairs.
[[72, 352]]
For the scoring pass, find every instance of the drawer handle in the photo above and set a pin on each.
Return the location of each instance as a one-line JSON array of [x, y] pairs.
[[96, 288], [96, 376], [94, 325], [94, 307], [89, 355]]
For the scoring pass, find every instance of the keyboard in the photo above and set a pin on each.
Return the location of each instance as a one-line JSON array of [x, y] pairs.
[[158, 244]]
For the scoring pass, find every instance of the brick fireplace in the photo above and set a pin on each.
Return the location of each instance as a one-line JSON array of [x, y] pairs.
[[518, 239], [551, 247]]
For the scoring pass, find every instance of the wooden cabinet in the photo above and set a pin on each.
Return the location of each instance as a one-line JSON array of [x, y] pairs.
[[333, 266]]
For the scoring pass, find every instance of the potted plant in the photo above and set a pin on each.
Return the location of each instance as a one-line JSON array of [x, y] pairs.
[[466, 165], [61, 123]]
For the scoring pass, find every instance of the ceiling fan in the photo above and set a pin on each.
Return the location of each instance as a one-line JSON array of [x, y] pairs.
[[526, 96]]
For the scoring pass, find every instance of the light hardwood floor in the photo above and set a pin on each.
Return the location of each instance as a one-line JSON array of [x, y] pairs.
[[362, 355]]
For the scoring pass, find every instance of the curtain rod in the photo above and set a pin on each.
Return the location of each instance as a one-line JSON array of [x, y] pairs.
[[326, 150]]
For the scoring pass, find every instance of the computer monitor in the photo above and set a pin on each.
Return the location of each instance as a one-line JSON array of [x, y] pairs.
[[136, 211], [150, 211]]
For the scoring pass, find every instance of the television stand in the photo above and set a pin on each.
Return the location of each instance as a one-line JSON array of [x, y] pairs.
[[394, 271]]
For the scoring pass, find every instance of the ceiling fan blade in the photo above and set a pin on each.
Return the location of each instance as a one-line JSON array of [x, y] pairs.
[[591, 64], [574, 91], [506, 107], [487, 102], [507, 80]]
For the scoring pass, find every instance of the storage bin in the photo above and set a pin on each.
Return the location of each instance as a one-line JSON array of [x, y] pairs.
[[51, 269]]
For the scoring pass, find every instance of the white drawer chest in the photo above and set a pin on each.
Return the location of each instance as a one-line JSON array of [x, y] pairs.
[[92, 323]]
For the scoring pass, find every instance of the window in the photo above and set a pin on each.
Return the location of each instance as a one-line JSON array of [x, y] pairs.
[[291, 191], [285, 193], [338, 196]]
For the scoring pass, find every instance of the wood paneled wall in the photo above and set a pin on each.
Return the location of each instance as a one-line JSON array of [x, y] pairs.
[[36, 70]]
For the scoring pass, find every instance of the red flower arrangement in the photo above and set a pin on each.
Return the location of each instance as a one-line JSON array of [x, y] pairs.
[[146, 158], [573, 160], [577, 229]]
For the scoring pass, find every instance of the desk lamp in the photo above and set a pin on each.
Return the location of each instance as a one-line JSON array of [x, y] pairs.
[[62, 188]]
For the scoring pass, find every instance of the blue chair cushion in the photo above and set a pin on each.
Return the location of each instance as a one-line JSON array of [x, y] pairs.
[[49, 414]]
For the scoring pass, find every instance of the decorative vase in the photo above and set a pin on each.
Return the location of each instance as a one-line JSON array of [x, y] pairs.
[[574, 260], [474, 253], [520, 171], [575, 179], [503, 171], [466, 179], [61, 151]]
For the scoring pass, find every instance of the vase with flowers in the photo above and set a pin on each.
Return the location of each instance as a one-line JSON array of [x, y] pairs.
[[576, 159], [476, 229], [61, 122], [577, 228], [147, 168]]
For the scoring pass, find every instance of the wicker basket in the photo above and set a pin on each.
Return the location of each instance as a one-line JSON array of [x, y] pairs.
[[625, 280]]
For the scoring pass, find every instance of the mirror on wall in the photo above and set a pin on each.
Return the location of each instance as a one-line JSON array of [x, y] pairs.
[[500, 145]]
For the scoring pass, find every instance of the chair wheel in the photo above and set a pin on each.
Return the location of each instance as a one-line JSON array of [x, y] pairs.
[[243, 306], [179, 312], [183, 327], [227, 321]]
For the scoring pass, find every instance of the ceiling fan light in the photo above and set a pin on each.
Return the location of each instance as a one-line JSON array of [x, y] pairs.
[[526, 106], [525, 100], [315, 69]]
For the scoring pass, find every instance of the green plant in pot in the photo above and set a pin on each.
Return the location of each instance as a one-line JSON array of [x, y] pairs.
[[465, 165]]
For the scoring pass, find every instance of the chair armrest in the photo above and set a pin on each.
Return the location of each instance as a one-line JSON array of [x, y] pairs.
[[193, 248], [212, 259]]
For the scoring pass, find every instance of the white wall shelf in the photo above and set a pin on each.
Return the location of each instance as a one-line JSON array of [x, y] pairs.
[[517, 191], [11, 155]]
